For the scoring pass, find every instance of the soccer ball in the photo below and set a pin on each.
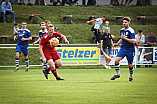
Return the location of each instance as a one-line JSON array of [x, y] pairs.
[[54, 42]]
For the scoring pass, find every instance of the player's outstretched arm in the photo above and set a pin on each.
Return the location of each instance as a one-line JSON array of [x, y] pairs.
[[65, 39], [91, 21], [115, 44], [37, 41]]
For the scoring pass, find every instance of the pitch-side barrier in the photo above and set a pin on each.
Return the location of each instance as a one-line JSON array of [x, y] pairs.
[[75, 56]]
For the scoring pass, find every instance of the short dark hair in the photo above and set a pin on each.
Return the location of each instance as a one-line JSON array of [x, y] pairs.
[[15, 24], [139, 31], [104, 16], [42, 23], [127, 19]]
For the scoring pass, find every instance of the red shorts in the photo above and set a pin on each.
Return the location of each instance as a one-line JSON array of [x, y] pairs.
[[52, 55]]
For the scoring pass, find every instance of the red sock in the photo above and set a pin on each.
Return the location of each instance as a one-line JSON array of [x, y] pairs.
[[54, 72], [56, 66], [48, 69]]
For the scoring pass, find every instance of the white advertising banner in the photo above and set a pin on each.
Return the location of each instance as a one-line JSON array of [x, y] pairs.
[[103, 62], [144, 55]]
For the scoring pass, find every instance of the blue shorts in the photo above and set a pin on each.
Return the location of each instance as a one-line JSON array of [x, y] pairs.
[[108, 51], [128, 53], [23, 48]]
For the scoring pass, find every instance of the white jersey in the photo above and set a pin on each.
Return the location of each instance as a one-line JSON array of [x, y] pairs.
[[99, 22], [142, 38], [16, 30]]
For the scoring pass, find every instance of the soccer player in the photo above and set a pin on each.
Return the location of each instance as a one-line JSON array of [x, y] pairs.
[[41, 33], [97, 26], [47, 23], [127, 48], [23, 36], [49, 53]]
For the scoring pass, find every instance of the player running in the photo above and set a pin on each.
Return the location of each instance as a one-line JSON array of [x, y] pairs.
[[49, 53], [41, 33], [127, 48], [23, 36]]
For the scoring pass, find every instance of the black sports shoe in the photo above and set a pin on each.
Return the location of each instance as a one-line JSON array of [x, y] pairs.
[[59, 78], [45, 73], [115, 76], [130, 79]]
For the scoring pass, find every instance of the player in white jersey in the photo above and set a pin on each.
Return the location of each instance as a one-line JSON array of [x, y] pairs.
[[98, 27], [127, 48]]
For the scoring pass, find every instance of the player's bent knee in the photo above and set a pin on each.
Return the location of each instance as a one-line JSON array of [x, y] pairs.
[[58, 63], [17, 54]]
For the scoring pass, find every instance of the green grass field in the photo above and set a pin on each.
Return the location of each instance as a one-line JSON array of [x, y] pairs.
[[88, 85]]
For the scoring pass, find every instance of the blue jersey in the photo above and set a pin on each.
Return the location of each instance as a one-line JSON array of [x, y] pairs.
[[42, 33], [130, 34], [23, 33]]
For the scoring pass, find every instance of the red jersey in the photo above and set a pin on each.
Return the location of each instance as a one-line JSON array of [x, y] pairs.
[[45, 41]]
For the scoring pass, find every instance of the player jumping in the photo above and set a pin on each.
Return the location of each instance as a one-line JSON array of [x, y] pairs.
[[127, 48], [49, 53]]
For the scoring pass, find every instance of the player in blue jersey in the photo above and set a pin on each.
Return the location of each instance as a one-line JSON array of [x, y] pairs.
[[41, 33], [127, 49], [23, 36]]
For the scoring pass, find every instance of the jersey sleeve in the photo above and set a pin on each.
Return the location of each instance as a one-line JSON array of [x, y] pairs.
[[59, 35], [132, 35], [29, 34]]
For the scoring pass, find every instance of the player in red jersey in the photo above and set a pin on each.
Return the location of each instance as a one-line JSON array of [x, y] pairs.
[[49, 53]]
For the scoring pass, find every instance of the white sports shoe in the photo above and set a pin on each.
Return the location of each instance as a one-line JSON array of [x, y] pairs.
[[106, 66], [109, 67]]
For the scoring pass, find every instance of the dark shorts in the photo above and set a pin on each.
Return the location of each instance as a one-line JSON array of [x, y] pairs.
[[128, 53], [23, 48]]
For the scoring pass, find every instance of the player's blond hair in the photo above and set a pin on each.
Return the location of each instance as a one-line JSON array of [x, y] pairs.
[[104, 16], [127, 19], [107, 22], [50, 25]]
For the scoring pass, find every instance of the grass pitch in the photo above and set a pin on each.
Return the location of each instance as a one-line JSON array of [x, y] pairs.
[[81, 86]]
